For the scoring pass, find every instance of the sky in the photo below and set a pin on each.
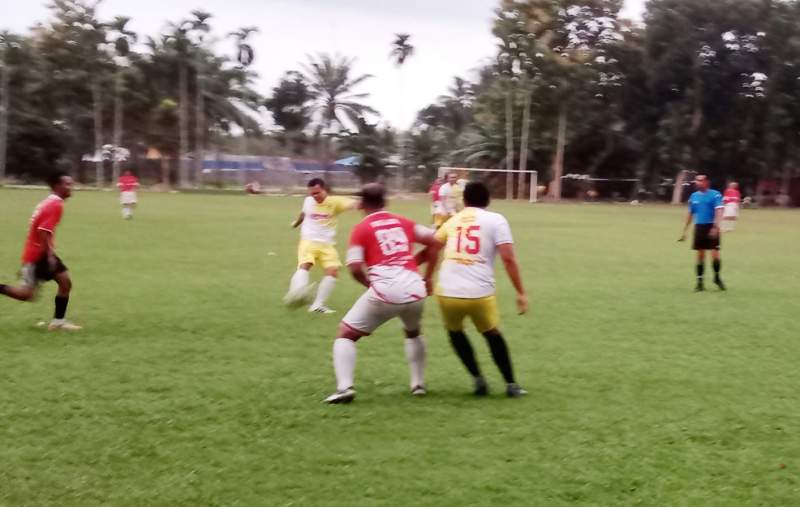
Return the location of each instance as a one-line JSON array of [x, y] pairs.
[[452, 38]]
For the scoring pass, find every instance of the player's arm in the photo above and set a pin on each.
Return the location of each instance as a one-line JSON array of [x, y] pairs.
[[429, 256], [358, 273], [686, 225], [718, 209], [509, 259], [299, 220], [45, 238]]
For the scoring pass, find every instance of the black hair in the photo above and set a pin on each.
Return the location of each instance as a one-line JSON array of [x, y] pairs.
[[54, 178], [373, 196], [476, 195], [316, 182]]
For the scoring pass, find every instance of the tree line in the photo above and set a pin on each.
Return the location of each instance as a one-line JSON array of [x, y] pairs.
[[575, 92]]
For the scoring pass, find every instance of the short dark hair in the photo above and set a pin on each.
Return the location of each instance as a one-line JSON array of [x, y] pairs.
[[476, 195], [373, 196], [54, 178], [316, 182]]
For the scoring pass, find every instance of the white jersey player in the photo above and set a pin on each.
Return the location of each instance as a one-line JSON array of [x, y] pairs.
[[383, 242]]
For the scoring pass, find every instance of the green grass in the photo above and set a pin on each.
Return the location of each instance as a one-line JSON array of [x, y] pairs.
[[192, 385]]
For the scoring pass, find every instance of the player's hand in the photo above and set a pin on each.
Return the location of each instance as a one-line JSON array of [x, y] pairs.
[[714, 232], [51, 262], [522, 303], [682, 238], [429, 286]]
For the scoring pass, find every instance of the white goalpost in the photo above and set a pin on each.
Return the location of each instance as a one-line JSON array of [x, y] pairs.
[[534, 183]]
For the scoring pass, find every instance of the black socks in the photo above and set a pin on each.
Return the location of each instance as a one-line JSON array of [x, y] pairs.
[[464, 350], [61, 306], [500, 355]]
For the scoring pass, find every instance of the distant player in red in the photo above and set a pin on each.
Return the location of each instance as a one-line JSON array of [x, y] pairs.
[[732, 199], [39, 260], [383, 243], [437, 209], [128, 184]]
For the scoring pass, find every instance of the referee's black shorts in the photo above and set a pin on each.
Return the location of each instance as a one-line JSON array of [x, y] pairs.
[[703, 239]]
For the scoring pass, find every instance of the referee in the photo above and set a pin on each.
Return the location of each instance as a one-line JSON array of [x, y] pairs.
[[705, 208]]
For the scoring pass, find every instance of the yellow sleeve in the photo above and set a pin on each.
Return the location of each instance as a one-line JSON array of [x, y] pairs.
[[342, 204], [443, 232]]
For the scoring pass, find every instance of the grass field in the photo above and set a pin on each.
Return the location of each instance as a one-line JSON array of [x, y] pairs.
[[192, 385]]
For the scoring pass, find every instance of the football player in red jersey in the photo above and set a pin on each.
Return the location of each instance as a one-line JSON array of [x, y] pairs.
[[128, 184], [383, 244], [39, 260]]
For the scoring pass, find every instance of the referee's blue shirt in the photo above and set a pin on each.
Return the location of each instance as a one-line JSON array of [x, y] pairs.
[[703, 205]]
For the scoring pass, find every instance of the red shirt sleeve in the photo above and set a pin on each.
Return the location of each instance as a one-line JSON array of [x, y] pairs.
[[51, 216]]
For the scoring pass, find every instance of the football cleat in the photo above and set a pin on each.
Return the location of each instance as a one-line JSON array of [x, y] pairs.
[[418, 391], [481, 387], [63, 326], [699, 288], [719, 283], [341, 397], [515, 391], [321, 309]]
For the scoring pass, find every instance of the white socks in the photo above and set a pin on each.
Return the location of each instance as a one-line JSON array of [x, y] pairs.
[[344, 362], [416, 353], [324, 292], [126, 212], [299, 280]]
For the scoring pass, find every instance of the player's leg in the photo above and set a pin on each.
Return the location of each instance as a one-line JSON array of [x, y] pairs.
[[717, 263], [701, 269], [299, 284], [26, 290], [453, 313], [366, 315], [329, 260], [62, 278], [486, 317], [415, 346]]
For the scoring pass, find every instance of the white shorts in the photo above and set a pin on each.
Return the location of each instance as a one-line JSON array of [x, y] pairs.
[[369, 313], [127, 198], [731, 210]]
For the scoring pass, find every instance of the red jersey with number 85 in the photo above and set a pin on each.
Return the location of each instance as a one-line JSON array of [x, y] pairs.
[[384, 242], [45, 217]]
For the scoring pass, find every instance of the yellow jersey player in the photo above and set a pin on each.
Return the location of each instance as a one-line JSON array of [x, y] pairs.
[[466, 285], [318, 219]]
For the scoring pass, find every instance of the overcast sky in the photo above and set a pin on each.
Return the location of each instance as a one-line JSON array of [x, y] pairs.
[[451, 37]]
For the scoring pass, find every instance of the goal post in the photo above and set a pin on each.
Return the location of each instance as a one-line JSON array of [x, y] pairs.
[[466, 172]]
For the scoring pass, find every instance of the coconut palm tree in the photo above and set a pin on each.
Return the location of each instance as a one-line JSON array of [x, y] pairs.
[[122, 40], [336, 104], [245, 56], [401, 51], [199, 29]]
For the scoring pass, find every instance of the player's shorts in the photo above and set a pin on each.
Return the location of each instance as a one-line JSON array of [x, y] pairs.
[[482, 312], [32, 274], [731, 210], [127, 198], [703, 239], [369, 312], [315, 253]]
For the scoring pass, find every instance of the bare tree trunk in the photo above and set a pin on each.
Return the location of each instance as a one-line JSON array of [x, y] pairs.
[[97, 99], [5, 91], [165, 180], [244, 150], [677, 192], [523, 146], [117, 125], [200, 124], [558, 158], [183, 127], [510, 141]]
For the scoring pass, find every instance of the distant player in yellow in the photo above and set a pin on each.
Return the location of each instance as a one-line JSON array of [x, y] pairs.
[[466, 285], [317, 245], [450, 195]]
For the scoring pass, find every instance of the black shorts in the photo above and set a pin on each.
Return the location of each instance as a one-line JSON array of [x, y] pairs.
[[35, 273], [703, 239]]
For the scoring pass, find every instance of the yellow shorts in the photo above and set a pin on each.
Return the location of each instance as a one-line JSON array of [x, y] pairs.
[[439, 220], [312, 252], [483, 313]]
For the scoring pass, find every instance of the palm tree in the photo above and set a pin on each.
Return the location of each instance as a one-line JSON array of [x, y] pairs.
[[333, 87], [199, 28], [178, 42], [5, 46], [244, 55], [401, 51], [122, 41]]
